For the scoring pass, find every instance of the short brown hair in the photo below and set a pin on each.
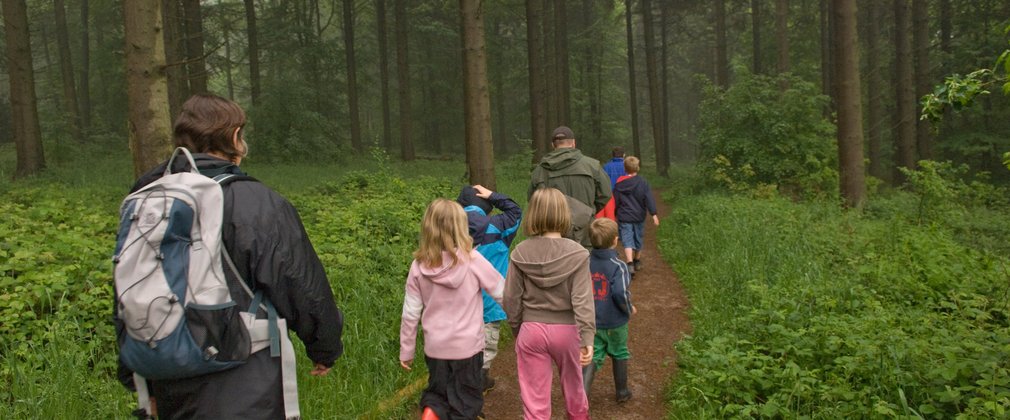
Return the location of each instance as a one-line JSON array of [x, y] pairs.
[[207, 123], [548, 212], [602, 233], [631, 165]]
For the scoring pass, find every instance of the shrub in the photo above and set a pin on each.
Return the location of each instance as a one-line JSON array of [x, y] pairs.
[[756, 134]]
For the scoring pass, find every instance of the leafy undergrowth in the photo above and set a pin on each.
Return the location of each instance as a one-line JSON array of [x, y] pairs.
[[803, 310], [57, 350]]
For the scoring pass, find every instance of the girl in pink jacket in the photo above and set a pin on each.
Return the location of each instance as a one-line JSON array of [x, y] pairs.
[[443, 293]]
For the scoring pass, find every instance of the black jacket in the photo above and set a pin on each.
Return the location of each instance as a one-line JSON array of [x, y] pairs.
[[632, 198], [266, 239]]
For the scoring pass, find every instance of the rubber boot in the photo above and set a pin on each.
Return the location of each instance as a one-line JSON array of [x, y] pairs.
[[621, 380], [587, 377]]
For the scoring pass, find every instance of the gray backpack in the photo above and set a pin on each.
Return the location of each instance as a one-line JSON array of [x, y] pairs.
[[171, 292]]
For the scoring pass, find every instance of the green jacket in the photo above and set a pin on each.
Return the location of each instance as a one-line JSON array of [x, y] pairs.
[[575, 175]]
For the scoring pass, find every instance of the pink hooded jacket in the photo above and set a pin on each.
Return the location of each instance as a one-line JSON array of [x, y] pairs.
[[447, 302]]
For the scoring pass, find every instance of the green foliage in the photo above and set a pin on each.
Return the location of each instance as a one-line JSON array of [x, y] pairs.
[[803, 310], [944, 194], [755, 135]]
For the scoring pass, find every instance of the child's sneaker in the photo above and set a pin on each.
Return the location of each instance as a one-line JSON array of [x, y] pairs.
[[631, 269], [488, 381], [637, 264]]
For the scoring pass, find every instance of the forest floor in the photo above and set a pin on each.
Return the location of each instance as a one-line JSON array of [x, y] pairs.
[[661, 320]]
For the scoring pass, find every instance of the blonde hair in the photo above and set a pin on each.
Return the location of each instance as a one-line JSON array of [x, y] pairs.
[[443, 228], [548, 212], [602, 233], [631, 165]]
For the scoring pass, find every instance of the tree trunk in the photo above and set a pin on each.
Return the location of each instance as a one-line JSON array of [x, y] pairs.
[[562, 73], [755, 15], [195, 68], [534, 53], [226, 34], [70, 106], [923, 81], [253, 51], [84, 90], [850, 117], [403, 80], [146, 88], [476, 104], [782, 34], [655, 102], [945, 27], [21, 75], [827, 59], [721, 55], [175, 56], [632, 84], [663, 159], [380, 27], [904, 93], [352, 78], [874, 86], [551, 94]]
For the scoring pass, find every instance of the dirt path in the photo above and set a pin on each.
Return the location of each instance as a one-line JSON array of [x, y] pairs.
[[661, 320]]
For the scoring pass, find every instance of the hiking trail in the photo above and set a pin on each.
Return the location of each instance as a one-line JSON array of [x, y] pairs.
[[661, 320]]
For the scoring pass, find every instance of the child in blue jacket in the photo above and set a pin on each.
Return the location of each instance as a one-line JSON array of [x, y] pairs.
[[612, 295], [492, 236]]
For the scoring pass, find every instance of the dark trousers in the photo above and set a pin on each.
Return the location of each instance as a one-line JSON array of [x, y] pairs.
[[455, 387]]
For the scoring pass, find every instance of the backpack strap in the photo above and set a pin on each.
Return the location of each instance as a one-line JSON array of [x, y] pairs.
[[277, 328]]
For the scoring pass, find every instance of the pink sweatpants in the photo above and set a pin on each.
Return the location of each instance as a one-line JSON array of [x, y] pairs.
[[537, 346]]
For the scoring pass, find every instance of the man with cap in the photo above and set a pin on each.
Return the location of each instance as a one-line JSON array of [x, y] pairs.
[[567, 169], [492, 236]]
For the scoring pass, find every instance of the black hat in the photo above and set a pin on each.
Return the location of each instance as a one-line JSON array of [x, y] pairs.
[[468, 197], [562, 133]]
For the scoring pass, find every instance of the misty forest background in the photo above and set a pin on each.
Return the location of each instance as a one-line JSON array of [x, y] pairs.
[[837, 171]]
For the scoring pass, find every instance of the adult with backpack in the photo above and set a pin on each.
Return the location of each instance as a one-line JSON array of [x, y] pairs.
[[211, 268], [580, 178]]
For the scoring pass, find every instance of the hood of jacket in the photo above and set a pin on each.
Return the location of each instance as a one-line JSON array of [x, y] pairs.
[[547, 262], [447, 275], [560, 159], [628, 184]]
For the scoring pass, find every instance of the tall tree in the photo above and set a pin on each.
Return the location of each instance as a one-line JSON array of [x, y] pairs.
[[552, 99], [146, 88], [253, 51], [84, 90], [476, 104], [923, 79], [850, 118], [352, 78], [875, 85], [175, 55], [535, 63], [904, 92], [196, 69], [755, 16], [655, 101], [380, 27], [21, 75], [70, 106], [664, 17], [721, 54], [827, 55], [403, 79], [562, 73], [632, 84], [782, 35], [946, 27]]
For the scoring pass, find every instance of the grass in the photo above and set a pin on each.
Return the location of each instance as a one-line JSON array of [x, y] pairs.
[[801, 309]]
